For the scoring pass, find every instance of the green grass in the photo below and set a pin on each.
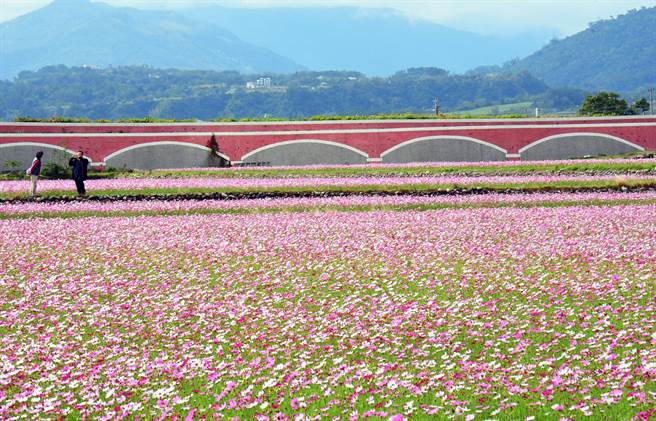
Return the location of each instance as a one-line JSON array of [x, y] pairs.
[[390, 116], [516, 107]]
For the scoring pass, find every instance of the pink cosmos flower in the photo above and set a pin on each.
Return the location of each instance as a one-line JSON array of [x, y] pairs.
[[190, 415]]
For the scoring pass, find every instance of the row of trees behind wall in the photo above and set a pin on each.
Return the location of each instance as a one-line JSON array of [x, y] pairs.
[[65, 94], [601, 104], [128, 92]]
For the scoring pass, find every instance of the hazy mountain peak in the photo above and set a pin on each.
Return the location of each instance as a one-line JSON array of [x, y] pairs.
[[376, 41], [81, 32]]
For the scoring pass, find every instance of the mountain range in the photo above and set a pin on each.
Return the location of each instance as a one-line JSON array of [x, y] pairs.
[[237, 46], [377, 42], [250, 40], [79, 32]]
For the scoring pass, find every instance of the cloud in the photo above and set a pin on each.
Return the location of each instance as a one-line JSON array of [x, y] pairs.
[[10, 9], [561, 17], [565, 17]]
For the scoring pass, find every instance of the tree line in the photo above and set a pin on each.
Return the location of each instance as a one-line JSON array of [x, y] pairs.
[[610, 103], [139, 91]]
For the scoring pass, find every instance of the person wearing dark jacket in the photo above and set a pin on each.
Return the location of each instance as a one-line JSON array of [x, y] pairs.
[[79, 166], [35, 171]]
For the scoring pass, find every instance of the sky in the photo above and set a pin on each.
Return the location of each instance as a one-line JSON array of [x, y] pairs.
[[490, 17]]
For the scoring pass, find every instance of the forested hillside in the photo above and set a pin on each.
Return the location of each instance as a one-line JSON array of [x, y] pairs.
[[128, 92], [611, 55]]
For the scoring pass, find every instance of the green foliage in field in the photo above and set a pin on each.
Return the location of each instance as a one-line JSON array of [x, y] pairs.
[[54, 170]]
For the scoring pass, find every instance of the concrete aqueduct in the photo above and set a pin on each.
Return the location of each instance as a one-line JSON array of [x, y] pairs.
[[178, 145]]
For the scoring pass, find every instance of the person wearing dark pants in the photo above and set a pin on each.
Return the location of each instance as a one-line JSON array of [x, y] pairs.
[[79, 166]]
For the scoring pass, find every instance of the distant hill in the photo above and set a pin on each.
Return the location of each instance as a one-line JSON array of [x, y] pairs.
[[79, 32], [129, 92], [615, 54], [372, 41]]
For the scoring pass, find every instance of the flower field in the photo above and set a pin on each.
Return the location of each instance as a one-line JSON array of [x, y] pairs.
[[492, 313], [530, 302]]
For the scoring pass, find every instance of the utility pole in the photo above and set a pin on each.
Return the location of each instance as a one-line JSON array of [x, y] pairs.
[[651, 101], [436, 105]]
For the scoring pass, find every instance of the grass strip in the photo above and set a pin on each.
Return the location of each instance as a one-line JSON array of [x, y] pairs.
[[325, 208], [619, 166], [365, 189], [627, 166]]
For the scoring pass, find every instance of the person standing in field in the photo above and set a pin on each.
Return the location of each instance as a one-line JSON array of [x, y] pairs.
[[79, 165], [35, 171]]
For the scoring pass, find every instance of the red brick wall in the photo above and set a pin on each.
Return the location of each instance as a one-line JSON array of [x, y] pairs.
[[372, 137]]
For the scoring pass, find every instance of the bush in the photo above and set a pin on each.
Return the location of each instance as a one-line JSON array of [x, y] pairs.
[[13, 166], [54, 170]]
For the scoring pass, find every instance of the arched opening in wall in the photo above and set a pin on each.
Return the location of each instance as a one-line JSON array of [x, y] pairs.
[[162, 155], [19, 156], [444, 149], [576, 145], [305, 152]]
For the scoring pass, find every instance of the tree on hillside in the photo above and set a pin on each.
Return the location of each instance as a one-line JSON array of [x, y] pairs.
[[604, 103]]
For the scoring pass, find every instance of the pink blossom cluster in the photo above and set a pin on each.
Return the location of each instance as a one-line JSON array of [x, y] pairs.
[[321, 202], [453, 314], [272, 183]]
